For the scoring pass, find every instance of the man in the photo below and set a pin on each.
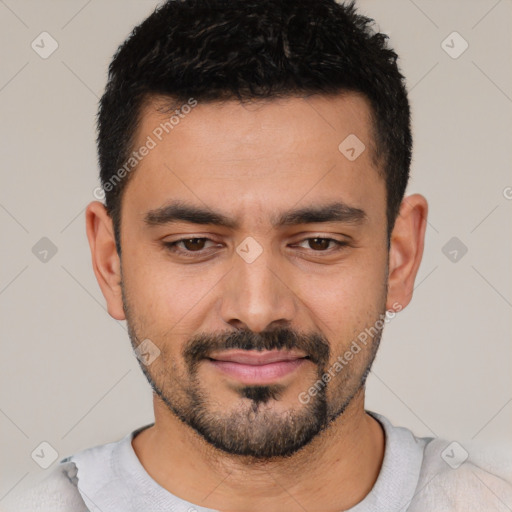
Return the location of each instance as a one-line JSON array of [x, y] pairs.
[[255, 236]]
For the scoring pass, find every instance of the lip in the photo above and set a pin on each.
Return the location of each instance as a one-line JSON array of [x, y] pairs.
[[251, 367], [254, 357]]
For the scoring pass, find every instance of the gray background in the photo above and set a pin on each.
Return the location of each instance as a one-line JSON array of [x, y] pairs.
[[68, 374]]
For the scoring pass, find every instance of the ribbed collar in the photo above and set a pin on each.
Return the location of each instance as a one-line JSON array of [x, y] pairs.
[[112, 479]]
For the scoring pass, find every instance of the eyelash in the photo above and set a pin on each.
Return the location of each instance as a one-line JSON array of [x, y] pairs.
[[172, 246]]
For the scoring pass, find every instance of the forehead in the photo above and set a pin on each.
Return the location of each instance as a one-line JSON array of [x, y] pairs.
[[275, 124], [256, 156]]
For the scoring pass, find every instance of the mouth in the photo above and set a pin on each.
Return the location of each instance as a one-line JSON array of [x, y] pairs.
[[253, 367]]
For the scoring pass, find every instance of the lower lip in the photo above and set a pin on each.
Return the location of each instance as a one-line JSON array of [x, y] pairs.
[[256, 374]]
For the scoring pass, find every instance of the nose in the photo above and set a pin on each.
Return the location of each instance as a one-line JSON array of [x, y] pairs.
[[257, 295]]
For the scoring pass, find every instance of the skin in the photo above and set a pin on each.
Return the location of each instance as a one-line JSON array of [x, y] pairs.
[[250, 162]]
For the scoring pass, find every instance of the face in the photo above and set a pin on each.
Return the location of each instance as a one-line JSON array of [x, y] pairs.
[[246, 228]]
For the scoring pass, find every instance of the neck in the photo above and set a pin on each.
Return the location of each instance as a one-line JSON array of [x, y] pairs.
[[335, 471]]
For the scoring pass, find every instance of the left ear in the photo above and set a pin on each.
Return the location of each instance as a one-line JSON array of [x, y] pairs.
[[406, 250]]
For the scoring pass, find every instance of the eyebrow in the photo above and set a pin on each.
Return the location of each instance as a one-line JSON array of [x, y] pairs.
[[179, 211]]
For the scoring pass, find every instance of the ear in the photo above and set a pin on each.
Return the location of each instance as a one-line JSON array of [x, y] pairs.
[[105, 260], [406, 250]]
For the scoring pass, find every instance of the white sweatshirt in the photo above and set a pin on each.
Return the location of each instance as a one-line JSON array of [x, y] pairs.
[[417, 475]]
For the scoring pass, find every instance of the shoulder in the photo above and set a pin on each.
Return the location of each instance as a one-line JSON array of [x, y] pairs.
[[69, 485], [464, 476], [56, 492]]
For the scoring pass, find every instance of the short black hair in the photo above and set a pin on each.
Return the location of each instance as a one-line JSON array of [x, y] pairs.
[[216, 50]]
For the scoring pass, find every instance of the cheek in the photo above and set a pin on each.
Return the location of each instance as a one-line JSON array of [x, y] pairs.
[[149, 295], [168, 301], [347, 298]]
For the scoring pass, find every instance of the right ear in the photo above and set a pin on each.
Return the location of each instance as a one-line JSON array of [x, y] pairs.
[[105, 260]]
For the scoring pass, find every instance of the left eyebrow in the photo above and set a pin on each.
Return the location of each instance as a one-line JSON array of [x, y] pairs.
[[332, 212], [180, 211]]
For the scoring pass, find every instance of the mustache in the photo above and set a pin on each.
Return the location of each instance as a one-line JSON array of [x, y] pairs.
[[314, 345]]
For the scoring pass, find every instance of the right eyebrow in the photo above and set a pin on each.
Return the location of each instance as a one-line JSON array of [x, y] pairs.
[[179, 211]]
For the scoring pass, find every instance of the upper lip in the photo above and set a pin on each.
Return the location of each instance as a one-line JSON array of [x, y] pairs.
[[257, 358]]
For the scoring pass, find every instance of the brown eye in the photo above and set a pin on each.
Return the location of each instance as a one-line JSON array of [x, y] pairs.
[[320, 244], [187, 246], [193, 244]]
